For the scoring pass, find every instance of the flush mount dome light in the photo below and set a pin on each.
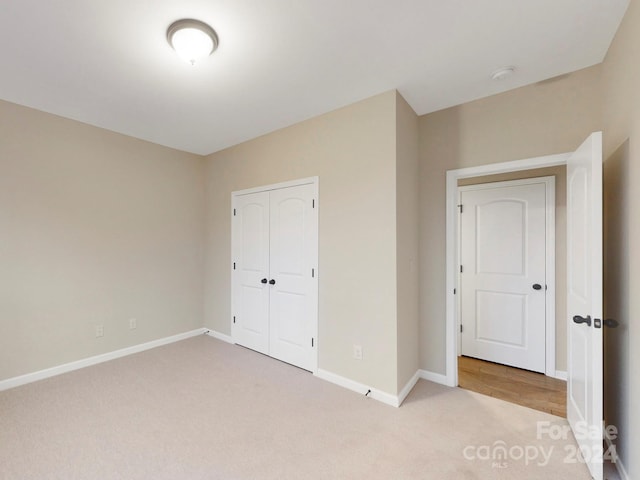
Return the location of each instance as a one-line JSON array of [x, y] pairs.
[[192, 40]]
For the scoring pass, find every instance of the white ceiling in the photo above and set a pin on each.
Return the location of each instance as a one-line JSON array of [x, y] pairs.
[[107, 62]]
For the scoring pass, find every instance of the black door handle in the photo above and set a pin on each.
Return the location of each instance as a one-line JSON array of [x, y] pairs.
[[272, 282], [537, 286], [264, 280], [579, 319]]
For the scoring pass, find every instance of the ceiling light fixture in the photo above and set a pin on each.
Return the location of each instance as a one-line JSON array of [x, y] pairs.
[[503, 73], [192, 40]]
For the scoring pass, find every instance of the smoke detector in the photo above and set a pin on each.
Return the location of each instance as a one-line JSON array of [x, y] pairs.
[[503, 73]]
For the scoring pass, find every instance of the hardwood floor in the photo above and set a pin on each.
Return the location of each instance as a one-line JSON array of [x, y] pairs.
[[533, 390]]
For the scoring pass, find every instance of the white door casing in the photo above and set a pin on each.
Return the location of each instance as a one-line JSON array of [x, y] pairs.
[[452, 260], [274, 271], [503, 231], [584, 300]]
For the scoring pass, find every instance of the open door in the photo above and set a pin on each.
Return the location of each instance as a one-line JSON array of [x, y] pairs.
[[584, 300]]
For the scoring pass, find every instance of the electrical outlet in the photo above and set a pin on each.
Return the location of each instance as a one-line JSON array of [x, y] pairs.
[[133, 324], [99, 331], [357, 352]]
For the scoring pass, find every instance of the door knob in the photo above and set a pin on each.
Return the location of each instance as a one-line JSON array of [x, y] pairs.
[[272, 282], [537, 286], [579, 319], [264, 280]]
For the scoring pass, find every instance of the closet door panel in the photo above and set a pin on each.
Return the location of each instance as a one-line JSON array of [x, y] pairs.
[[292, 232], [251, 256]]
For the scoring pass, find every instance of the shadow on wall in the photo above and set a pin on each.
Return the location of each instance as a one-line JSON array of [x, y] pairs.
[[440, 140], [617, 203]]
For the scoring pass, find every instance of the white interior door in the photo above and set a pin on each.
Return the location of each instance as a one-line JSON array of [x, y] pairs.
[[584, 300], [503, 277], [292, 275], [275, 252], [251, 271]]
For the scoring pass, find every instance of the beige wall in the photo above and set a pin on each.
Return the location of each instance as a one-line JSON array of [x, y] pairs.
[[560, 174], [353, 151], [407, 240], [542, 119], [621, 94], [96, 228]]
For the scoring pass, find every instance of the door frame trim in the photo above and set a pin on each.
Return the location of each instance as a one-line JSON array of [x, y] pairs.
[[275, 186], [452, 178], [550, 260], [315, 181]]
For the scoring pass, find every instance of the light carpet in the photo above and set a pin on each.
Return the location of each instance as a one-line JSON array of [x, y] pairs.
[[203, 409]]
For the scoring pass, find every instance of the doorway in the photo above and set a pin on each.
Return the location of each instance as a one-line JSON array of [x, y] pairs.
[[494, 172], [507, 267], [494, 374]]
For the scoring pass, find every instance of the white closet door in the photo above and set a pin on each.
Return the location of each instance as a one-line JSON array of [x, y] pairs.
[[292, 253], [251, 274], [275, 288]]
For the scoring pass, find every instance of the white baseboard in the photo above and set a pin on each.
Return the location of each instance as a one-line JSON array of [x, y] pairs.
[[434, 377], [561, 375], [219, 336], [87, 362], [408, 387], [352, 385], [619, 466]]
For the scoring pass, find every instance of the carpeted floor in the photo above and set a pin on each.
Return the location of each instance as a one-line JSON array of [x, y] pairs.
[[203, 409]]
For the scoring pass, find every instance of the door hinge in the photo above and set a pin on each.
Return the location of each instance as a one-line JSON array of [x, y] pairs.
[[461, 328], [312, 341], [313, 203], [234, 212], [234, 265], [234, 319], [454, 291], [461, 269], [313, 273], [460, 207]]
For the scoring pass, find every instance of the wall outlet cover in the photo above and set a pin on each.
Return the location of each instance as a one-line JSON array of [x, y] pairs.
[[357, 352]]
